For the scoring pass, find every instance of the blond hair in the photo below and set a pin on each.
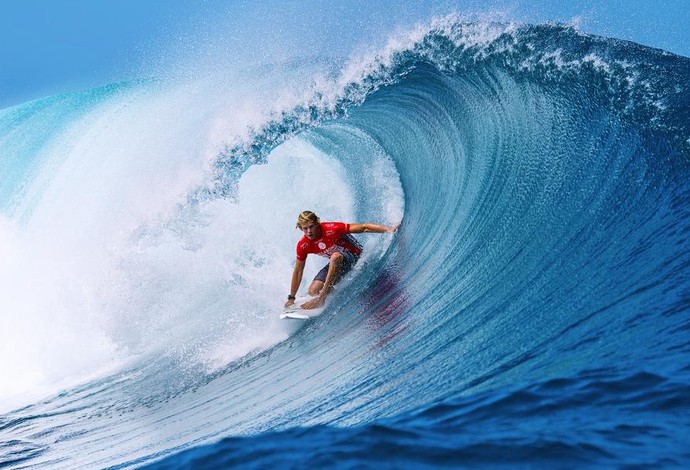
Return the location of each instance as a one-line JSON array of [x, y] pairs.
[[306, 217]]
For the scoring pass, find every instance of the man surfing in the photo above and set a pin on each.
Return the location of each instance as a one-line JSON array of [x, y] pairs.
[[332, 240]]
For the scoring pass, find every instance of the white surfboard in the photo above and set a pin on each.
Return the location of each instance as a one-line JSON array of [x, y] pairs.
[[294, 316], [295, 312]]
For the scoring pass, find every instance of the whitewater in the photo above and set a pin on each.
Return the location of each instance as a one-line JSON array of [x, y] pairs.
[[532, 311]]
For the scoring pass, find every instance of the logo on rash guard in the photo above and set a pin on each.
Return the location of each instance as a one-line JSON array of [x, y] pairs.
[[322, 246]]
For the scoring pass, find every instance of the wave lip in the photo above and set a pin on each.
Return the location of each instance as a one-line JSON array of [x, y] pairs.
[[552, 55]]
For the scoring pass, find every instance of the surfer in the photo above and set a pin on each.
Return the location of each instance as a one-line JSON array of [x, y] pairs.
[[334, 241]]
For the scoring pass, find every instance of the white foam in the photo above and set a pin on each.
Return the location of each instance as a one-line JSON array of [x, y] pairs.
[[73, 252]]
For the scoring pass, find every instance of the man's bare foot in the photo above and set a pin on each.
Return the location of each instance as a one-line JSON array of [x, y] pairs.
[[316, 302]]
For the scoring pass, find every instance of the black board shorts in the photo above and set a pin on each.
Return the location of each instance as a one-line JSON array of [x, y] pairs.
[[349, 260]]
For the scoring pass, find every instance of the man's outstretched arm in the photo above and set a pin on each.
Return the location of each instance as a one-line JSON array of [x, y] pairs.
[[373, 228], [296, 280]]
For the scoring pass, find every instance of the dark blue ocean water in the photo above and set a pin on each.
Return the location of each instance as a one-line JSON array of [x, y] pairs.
[[533, 311]]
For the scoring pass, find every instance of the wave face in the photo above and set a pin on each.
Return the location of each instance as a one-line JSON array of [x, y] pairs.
[[531, 311]]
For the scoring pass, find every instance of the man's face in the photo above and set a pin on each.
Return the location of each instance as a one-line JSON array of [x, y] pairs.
[[312, 230]]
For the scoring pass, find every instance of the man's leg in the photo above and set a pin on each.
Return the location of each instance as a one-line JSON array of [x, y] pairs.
[[336, 261], [315, 287], [322, 288], [320, 278]]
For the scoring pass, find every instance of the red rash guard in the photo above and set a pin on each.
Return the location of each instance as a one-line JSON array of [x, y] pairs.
[[335, 236]]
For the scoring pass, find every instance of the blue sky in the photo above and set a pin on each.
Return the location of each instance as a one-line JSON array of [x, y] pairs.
[[52, 46]]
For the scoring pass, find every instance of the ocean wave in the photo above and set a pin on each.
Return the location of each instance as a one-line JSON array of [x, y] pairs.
[[539, 269], [633, 81]]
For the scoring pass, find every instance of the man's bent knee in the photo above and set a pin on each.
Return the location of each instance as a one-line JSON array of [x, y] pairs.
[[315, 287]]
